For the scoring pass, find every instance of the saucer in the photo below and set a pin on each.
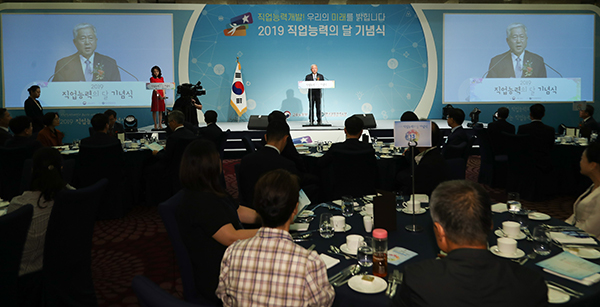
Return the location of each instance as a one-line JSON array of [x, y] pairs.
[[357, 284], [494, 249], [557, 296], [521, 235], [346, 228], [585, 253], [421, 211], [345, 250], [538, 216]]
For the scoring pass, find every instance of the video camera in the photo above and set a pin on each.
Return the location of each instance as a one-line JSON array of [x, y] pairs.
[[187, 89]]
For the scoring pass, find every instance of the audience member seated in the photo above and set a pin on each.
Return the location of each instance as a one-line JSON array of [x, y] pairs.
[[268, 158], [588, 123], [409, 116], [469, 275], [22, 128], [113, 127], [208, 219], [211, 132], [495, 130], [289, 152], [46, 182], [353, 127], [430, 167], [50, 136], [251, 269], [457, 140], [100, 124], [5, 118], [586, 210], [175, 122], [542, 136]]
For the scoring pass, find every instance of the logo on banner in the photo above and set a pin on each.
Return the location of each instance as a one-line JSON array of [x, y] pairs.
[[237, 25], [412, 136]]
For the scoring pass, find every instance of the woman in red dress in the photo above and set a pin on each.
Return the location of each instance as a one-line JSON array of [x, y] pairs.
[[158, 97]]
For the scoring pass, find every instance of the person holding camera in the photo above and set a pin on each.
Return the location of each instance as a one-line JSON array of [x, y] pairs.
[[188, 102]]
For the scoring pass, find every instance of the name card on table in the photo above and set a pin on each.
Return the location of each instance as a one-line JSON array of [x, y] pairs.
[[525, 89], [384, 210], [99, 94], [419, 132]]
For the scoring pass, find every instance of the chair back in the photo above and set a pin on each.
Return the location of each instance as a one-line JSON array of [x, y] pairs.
[[248, 144], [173, 164], [450, 151], [222, 142], [68, 247], [149, 294], [167, 211], [11, 168], [456, 168], [469, 148], [355, 173], [14, 227]]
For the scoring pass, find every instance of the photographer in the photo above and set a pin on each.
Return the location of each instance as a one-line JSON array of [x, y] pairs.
[[188, 102]]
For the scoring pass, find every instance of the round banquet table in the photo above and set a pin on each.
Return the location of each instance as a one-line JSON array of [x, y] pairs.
[[424, 244]]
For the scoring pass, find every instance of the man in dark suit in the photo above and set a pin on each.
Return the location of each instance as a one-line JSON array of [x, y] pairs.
[[100, 137], [469, 275], [454, 144], [542, 137], [314, 95], [4, 120], [86, 64], [517, 62], [588, 124], [353, 127], [114, 128], [430, 167], [211, 132], [23, 129], [496, 128], [268, 158], [175, 122], [289, 151]]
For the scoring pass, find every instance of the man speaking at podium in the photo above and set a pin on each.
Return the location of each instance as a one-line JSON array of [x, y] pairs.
[[314, 95], [517, 62], [86, 64]]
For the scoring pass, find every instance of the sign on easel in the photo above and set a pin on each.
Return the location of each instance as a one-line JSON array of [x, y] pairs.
[[419, 132]]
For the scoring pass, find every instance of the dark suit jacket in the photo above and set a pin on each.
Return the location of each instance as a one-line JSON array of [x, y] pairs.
[[117, 128], [291, 153], [35, 111], [431, 171], [99, 139], [471, 277], [455, 138], [541, 144], [316, 93], [347, 145], [69, 69], [20, 141], [4, 136], [212, 133], [254, 165], [586, 127], [501, 66], [169, 152], [495, 130]]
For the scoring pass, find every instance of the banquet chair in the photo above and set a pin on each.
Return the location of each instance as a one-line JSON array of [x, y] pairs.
[[454, 151], [248, 144], [13, 227], [151, 295], [67, 274], [223, 142], [456, 168], [167, 211], [11, 168], [526, 173], [493, 169], [352, 173]]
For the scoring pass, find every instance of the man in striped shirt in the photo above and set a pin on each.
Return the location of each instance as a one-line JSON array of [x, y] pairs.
[[269, 269]]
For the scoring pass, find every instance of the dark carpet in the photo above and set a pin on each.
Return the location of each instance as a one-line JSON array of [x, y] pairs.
[[138, 243]]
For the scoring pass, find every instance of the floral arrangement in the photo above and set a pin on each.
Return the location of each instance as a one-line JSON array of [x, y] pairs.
[[527, 69], [98, 72]]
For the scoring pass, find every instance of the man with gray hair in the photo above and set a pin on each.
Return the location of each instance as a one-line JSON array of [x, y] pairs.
[[517, 62], [469, 275], [86, 64]]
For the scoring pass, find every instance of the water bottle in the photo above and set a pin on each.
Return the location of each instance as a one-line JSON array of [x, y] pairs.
[[380, 252]]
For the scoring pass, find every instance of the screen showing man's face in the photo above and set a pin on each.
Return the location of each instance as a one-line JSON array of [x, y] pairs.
[[517, 41], [85, 42]]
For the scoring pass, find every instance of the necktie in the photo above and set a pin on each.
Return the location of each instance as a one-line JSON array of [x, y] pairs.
[[518, 69], [88, 71]]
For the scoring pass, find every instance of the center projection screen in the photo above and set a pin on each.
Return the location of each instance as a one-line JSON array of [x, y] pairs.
[[558, 63], [126, 48]]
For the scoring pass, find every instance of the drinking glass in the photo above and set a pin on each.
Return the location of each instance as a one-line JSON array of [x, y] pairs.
[[541, 240], [365, 253], [326, 225], [513, 202], [399, 201], [347, 206]]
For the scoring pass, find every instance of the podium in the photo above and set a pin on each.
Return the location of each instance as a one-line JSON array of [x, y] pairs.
[[316, 85]]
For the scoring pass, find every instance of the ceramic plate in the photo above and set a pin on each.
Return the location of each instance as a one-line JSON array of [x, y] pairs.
[[556, 296], [521, 235], [405, 210], [357, 284], [538, 216], [494, 249], [344, 248], [586, 253]]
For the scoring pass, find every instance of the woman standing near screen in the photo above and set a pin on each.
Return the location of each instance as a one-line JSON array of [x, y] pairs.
[[158, 97], [33, 108]]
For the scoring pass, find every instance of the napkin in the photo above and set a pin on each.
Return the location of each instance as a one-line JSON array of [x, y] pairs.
[[588, 281], [329, 261], [299, 227], [499, 208], [567, 239]]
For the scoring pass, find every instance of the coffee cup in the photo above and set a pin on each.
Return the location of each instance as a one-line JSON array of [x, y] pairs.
[[507, 246], [511, 229], [369, 209], [339, 223], [368, 220], [353, 242], [408, 205]]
